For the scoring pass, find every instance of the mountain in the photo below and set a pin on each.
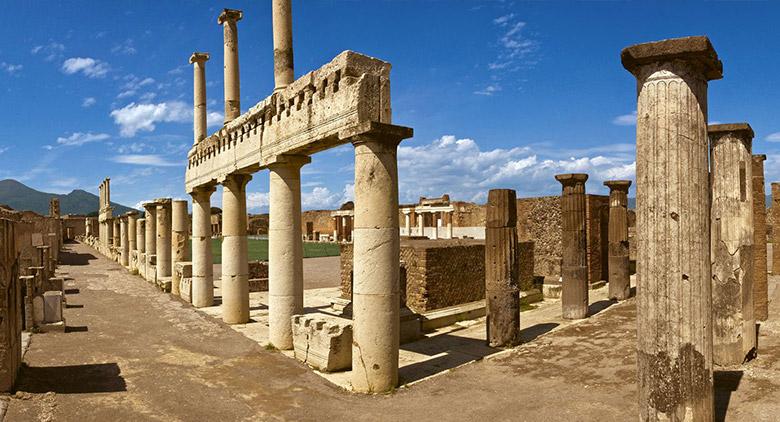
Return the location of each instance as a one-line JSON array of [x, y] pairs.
[[22, 198]]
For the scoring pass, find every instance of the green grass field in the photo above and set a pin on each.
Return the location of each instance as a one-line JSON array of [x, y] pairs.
[[258, 250]]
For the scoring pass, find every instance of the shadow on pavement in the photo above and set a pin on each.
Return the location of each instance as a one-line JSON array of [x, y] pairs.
[[726, 382], [71, 379], [534, 331], [73, 258]]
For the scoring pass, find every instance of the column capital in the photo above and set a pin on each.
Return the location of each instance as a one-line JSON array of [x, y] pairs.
[[740, 131], [203, 190], [163, 202], [375, 131], [236, 178], [197, 57], [150, 205], [697, 51], [759, 158], [230, 15], [288, 160], [571, 179], [618, 185]]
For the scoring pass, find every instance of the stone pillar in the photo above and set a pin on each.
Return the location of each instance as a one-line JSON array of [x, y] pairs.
[[164, 268], [150, 237], [733, 323], [344, 228], [198, 60], [760, 287], [335, 229], [674, 292], [124, 243], [132, 230], [283, 44], [229, 19], [407, 224], [376, 265], [117, 233], [140, 233], [180, 239], [235, 268], [421, 224], [202, 260], [618, 251], [285, 249], [775, 210], [502, 292], [449, 225], [574, 266]]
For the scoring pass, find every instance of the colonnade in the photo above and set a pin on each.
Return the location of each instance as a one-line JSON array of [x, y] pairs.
[[439, 220]]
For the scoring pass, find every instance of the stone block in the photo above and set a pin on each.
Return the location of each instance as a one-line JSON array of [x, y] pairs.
[[182, 270], [323, 342], [54, 284], [37, 310], [164, 283], [185, 289], [52, 306], [258, 284]]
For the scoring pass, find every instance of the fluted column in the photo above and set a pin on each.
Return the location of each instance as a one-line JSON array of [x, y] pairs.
[[163, 237], [733, 323], [180, 239], [674, 291], [150, 238], [124, 244], [198, 61], [235, 267], [574, 265], [283, 43], [618, 249], [202, 260], [229, 19], [760, 287], [285, 249], [502, 292]]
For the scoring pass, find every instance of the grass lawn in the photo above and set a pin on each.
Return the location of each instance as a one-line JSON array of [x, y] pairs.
[[258, 250]]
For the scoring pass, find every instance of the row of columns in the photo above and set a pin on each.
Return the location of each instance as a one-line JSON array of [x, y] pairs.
[[442, 223]]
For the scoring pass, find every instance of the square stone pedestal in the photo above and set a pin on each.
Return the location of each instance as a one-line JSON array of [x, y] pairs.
[[323, 342]]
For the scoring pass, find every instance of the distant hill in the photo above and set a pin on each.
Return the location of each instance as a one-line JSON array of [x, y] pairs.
[[23, 198]]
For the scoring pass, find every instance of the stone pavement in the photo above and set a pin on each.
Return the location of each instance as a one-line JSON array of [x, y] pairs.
[[133, 353]]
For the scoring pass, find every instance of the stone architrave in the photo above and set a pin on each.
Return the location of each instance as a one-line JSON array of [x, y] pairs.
[[760, 286], [733, 323], [574, 266], [618, 251], [235, 264], [502, 292], [180, 239], [674, 289]]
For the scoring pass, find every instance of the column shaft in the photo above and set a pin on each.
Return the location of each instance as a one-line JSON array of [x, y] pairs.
[[229, 19], [124, 244], [198, 61], [618, 249], [760, 286], [235, 268], [180, 240], [163, 238], [141, 235], [574, 268], [775, 209], [502, 293], [202, 260], [283, 43]]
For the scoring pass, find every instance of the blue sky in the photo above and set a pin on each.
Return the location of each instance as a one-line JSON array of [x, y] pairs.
[[499, 93]]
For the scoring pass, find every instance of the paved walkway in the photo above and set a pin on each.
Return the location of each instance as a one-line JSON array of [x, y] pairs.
[[133, 353]]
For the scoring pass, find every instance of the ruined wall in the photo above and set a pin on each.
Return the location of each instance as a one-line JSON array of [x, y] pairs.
[[321, 220], [10, 305], [257, 225], [597, 234], [72, 226]]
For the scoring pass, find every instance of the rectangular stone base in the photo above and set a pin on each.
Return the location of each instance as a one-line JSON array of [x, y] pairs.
[[552, 290], [58, 327], [164, 284], [323, 342]]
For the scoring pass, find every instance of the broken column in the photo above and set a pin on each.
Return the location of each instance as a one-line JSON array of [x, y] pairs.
[[285, 249], [283, 43], [618, 256], [733, 323], [180, 242], [198, 61], [574, 265], [376, 246], [150, 238], [674, 293], [235, 265], [760, 287], [202, 260], [124, 244], [164, 267], [502, 294], [229, 19]]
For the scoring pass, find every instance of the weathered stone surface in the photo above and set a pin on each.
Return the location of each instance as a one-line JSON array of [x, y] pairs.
[[574, 265], [760, 286], [235, 277], [52, 307], [164, 222], [775, 226], [502, 293], [180, 239], [10, 306], [202, 259], [182, 272], [323, 342], [619, 277], [674, 284]]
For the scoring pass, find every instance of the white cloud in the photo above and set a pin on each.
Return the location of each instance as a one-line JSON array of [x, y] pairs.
[[11, 69], [50, 52], [88, 102], [125, 94], [126, 47], [79, 138], [514, 51], [90, 67], [147, 97], [144, 160], [489, 90], [625, 119], [215, 119], [133, 148], [318, 198], [4, 149], [257, 200], [773, 137], [68, 182], [133, 117]]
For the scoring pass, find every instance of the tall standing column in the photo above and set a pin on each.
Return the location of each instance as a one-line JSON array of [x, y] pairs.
[[198, 61], [132, 230], [775, 210], [229, 19], [283, 43], [421, 224], [202, 260], [376, 257], [117, 233], [140, 238], [618, 250], [407, 224], [285, 249], [674, 289], [502, 292], [574, 267], [449, 224], [760, 287], [163, 237], [733, 323], [235, 268], [124, 244], [180, 239], [150, 238]]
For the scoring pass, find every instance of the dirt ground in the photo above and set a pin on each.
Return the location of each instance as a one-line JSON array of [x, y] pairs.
[[133, 353]]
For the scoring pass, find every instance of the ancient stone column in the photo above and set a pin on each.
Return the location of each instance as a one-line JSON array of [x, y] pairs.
[[132, 230], [376, 259], [117, 233], [285, 249], [124, 244], [618, 256], [760, 287], [150, 238], [235, 267], [180, 239], [164, 266], [408, 224], [198, 60], [775, 228], [733, 323], [229, 19], [140, 233], [674, 291], [283, 43], [202, 260], [449, 225], [502, 292], [574, 265]]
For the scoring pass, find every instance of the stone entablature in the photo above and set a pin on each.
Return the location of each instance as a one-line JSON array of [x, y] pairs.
[[322, 109]]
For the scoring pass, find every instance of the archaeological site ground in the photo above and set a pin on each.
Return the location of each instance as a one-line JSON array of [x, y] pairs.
[[537, 281]]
